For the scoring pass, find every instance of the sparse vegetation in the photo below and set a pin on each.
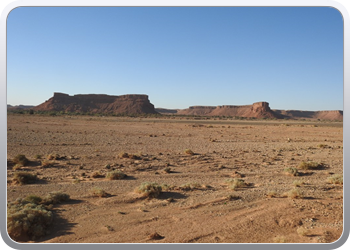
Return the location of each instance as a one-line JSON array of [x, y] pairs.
[[309, 165], [271, 194], [335, 179], [98, 192], [21, 160], [115, 175], [29, 218], [22, 178], [302, 231], [235, 183], [291, 171], [294, 194], [55, 197], [297, 183], [97, 174], [189, 152], [53, 157], [124, 155], [190, 186], [279, 239], [149, 189]]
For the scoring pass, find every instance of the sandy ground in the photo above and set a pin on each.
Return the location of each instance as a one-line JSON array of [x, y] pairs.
[[209, 212]]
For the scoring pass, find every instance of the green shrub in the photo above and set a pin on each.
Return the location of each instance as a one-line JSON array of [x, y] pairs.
[[149, 189], [33, 199], [115, 175]]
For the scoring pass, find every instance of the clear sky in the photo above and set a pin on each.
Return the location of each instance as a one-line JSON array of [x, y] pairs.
[[291, 57]]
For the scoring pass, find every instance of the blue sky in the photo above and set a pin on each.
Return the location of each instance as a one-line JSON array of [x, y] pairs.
[[291, 57]]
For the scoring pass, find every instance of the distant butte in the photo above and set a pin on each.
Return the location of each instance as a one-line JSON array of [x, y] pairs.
[[94, 103], [140, 104]]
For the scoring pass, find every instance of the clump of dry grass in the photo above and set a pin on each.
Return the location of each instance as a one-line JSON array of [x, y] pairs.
[[124, 155], [167, 170], [291, 171], [53, 157], [22, 178], [309, 165], [271, 194], [189, 152], [30, 217], [55, 197], [115, 175], [27, 219], [149, 189], [279, 239], [302, 231], [98, 192], [235, 183], [190, 186], [294, 194], [21, 160], [97, 174], [47, 164], [335, 179], [297, 183]]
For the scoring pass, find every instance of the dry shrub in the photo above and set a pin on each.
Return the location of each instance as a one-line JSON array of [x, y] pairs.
[[55, 197], [128, 156], [271, 194], [21, 160], [27, 219], [98, 192], [335, 179], [236, 183], [47, 164], [190, 186], [302, 231], [115, 175], [309, 165], [22, 178], [189, 152], [149, 189], [291, 171], [96, 174], [294, 194], [53, 157], [279, 239]]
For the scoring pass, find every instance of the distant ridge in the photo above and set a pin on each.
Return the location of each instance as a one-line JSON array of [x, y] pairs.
[[256, 110], [98, 103], [140, 104]]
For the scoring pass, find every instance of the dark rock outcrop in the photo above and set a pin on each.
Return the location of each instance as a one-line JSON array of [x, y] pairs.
[[94, 103]]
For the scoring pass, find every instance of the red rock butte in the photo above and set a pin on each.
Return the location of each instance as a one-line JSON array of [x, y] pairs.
[[98, 103]]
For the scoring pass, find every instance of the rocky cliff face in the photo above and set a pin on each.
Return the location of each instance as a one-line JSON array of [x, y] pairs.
[[335, 115], [256, 110], [124, 104]]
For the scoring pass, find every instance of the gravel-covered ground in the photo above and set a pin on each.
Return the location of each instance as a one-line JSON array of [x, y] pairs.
[[197, 203]]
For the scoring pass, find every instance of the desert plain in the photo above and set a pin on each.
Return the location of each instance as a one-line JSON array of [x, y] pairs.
[[195, 162]]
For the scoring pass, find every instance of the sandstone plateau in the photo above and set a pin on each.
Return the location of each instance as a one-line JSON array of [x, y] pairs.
[[93, 103]]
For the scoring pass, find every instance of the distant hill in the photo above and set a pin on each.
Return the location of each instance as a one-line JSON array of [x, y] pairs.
[[10, 107], [94, 103], [256, 110], [140, 104]]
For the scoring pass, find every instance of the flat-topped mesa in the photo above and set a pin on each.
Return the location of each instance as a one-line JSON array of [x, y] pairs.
[[99, 103], [256, 110]]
